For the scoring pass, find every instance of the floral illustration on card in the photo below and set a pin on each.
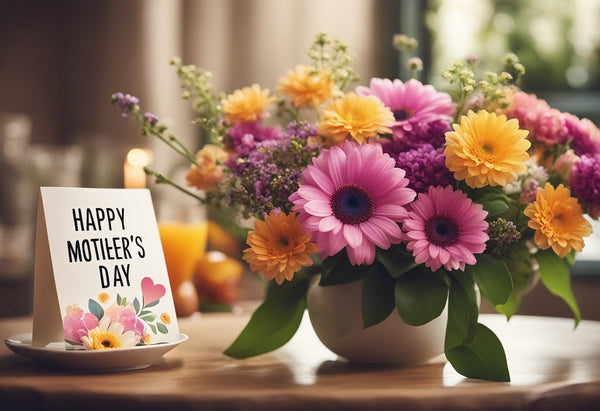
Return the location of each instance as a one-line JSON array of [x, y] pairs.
[[118, 323]]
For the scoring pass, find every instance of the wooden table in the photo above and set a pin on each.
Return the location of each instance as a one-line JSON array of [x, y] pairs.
[[552, 367]]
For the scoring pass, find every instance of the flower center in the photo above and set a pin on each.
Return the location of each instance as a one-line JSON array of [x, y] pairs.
[[283, 242], [441, 230], [401, 114], [352, 204]]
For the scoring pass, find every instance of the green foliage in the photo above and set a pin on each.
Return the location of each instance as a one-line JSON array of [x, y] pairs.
[[472, 349], [274, 322], [338, 270], [420, 295], [492, 277], [554, 273], [377, 297], [396, 260]]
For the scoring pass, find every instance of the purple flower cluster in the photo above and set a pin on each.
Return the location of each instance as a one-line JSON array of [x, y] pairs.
[[126, 102], [585, 183], [268, 171], [425, 166]]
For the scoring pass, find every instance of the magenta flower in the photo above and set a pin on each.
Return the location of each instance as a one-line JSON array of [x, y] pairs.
[[585, 183], [352, 196], [414, 104], [445, 228], [584, 135]]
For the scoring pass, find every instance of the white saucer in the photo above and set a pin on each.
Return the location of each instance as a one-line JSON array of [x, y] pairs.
[[118, 359]]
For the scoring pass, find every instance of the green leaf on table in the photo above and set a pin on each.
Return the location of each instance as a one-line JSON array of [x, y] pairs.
[[377, 296], [555, 275], [95, 309], [337, 269], [274, 322], [492, 277], [420, 295], [396, 260], [483, 357], [462, 311]]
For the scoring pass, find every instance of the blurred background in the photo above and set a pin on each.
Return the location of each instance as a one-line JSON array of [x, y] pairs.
[[60, 62]]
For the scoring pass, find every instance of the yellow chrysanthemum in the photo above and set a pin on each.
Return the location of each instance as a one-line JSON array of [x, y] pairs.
[[486, 149], [358, 117], [103, 297], [246, 104], [558, 220], [279, 247], [165, 318], [306, 86]]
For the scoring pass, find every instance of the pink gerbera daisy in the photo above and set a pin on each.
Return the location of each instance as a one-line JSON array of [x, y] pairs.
[[413, 104], [353, 196], [444, 228]]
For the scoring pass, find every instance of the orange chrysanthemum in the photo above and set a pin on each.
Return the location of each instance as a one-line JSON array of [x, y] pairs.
[[557, 219], [358, 117], [486, 149], [306, 86], [246, 104], [208, 171], [279, 247]]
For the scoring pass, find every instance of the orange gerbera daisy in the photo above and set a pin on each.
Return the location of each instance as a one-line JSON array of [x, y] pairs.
[[307, 86], [279, 247], [358, 117], [246, 104], [486, 149], [557, 219]]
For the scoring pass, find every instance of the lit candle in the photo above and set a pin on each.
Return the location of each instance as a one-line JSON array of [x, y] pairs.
[[133, 169]]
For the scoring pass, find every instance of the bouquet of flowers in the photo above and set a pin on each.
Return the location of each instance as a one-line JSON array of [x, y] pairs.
[[429, 196]]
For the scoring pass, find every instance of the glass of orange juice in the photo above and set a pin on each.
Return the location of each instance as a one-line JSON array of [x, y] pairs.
[[183, 231]]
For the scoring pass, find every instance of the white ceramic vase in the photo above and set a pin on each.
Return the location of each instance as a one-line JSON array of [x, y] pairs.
[[335, 314]]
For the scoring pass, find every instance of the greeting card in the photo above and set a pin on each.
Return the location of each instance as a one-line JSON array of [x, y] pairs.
[[100, 274]]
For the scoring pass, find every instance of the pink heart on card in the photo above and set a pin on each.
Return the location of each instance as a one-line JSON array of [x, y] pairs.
[[150, 291]]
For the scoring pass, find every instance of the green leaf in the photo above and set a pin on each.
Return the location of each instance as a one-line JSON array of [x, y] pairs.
[[152, 304], [338, 270], [509, 308], [162, 328], [396, 260], [462, 311], [149, 317], [495, 207], [119, 299], [492, 277], [377, 296], [124, 301], [274, 322], [153, 328], [483, 357], [95, 309], [420, 295], [136, 305], [555, 275]]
